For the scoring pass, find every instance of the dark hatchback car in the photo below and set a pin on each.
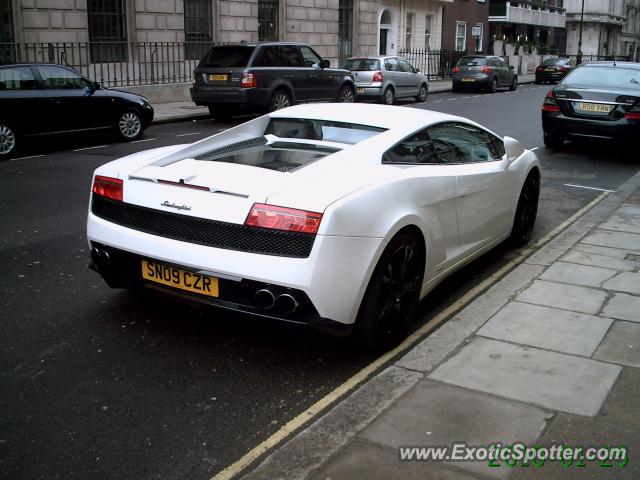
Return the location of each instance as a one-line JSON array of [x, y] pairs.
[[41, 99], [553, 70], [598, 100], [483, 72], [266, 77]]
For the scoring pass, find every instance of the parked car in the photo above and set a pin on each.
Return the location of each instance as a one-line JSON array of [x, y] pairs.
[[600, 100], [42, 98], [386, 78], [266, 77], [553, 70], [339, 217], [483, 72]]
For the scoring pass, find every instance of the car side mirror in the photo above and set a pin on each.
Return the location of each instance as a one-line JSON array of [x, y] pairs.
[[95, 86], [416, 70], [325, 64], [513, 148]]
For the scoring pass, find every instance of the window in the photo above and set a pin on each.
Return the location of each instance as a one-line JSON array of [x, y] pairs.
[[361, 65], [57, 78], [416, 148], [427, 31], [291, 56], [408, 42], [462, 143], [478, 34], [461, 36], [197, 27], [326, 130], [345, 29], [311, 58], [232, 56], [391, 65], [268, 11], [107, 30], [17, 78], [405, 66]]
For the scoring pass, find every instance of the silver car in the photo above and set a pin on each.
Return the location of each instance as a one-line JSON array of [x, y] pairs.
[[386, 78]]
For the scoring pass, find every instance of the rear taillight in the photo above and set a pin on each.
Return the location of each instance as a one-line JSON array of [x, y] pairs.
[[550, 104], [634, 112], [281, 218], [564, 69], [248, 80], [539, 69], [486, 70], [108, 187], [377, 77], [455, 70]]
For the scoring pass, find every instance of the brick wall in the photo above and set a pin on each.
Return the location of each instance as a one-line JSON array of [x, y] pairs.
[[471, 11]]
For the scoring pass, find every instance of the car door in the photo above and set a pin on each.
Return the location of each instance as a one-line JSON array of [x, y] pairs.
[[410, 78], [393, 74], [21, 100], [72, 104], [486, 188], [433, 189], [318, 80], [505, 73], [294, 69]]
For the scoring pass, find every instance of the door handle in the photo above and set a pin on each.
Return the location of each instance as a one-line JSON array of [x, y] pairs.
[[288, 75]]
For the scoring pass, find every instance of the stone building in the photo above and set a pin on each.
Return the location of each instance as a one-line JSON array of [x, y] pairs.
[[465, 26]]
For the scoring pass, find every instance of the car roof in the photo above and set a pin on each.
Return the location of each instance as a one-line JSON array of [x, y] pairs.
[[381, 116], [27, 64], [611, 63], [373, 57], [257, 44]]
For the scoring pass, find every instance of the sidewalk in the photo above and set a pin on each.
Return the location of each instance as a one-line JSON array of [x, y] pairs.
[[177, 111], [549, 354]]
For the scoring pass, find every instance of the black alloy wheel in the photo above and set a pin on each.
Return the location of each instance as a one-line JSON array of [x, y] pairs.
[[280, 99], [392, 294], [493, 88], [527, 210], [346, 95]]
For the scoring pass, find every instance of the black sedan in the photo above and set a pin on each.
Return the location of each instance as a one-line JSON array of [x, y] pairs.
[[598, 100], [40, 99], [553, 70]]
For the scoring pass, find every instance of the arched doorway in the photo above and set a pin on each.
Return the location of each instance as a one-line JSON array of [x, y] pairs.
[[385, 38]]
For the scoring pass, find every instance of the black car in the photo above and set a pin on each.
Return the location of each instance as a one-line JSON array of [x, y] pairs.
[[553, 70], [265, 77], [599, 100], [41, 99], [483, 72]]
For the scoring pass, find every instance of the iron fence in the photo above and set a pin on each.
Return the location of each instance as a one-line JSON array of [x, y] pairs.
[[436, 64], [115, 63]]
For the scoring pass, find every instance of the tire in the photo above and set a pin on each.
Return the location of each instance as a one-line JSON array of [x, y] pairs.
[[129, 126], [388, 97], [280, 99], [220, 113], [8, 141], [346, 95], [455, 88], [493, 87], [526, 211], [392, 295], [554, 142], [422, 93], [514, 84]]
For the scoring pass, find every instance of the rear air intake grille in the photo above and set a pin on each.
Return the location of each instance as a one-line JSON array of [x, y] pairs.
[[253, 142], [203, 231]]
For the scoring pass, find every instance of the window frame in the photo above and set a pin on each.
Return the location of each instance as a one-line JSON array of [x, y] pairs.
[[34, 78], [477, 46], [385, 154], [464, 37], [197, 12], [428, 22], [408, 30], [107, 38], [272, 33], [43, 82]]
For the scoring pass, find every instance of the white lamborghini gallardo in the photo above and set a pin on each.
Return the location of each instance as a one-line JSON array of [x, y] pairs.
[[337, 216]]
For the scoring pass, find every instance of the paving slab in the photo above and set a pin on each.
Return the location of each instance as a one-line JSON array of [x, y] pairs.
[[568, 297], [621, 345], [365, 461], [548, 328], [629, 210], [621, 405], [596, 260], [628, 282], [606, 238], [605, 251], [623, 307], [433, 414], [577, 274], [621, 224], [553, 380], [573, 430]]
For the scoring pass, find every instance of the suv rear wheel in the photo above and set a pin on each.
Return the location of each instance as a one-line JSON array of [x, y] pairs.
[[280, 99], [220, 113], [346, 95]]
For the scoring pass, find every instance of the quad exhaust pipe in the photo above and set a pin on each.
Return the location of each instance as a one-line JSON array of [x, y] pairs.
[[284, 303], [100, 257], [265, 299]]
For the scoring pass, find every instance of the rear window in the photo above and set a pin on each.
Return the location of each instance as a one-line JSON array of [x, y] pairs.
[[227, 57], [17, 78], [554, 61], [604, 77], [325, 130], [361, 64], [472, 61]]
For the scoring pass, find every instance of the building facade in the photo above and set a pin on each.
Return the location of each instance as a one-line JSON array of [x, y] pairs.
[[465, 26], [602, 24]]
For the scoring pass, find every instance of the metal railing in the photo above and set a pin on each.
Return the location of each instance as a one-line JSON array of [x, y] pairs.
[[115, 63], [436, 64]]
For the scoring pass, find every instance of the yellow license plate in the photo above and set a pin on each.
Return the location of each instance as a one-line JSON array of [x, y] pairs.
[[218, 78], [594, 107], [178, 278], [360, 90], [549, 69], [468, 79]]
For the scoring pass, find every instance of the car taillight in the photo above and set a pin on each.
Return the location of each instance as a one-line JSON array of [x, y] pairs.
[[563, 69], [377, 77], [249, 80], [634, 112], [539, 69], [550, 104], [108, 187], [486, 70], [281, 218], [455, 69]]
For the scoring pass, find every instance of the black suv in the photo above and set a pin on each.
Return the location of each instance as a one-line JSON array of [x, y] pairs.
[[266, 76]]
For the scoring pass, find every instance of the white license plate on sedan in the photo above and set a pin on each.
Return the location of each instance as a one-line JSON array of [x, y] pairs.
[[360, 90], [468, 79], [593, 107]]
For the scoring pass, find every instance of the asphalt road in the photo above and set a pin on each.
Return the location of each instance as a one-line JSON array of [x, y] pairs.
[[99, 383]]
